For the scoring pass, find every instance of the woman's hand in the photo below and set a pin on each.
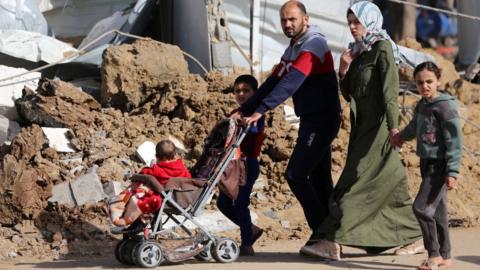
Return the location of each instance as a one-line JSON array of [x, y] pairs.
[[345, 61], [451, 182]]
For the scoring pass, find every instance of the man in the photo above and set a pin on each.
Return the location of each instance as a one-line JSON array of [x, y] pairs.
[[306, 73]]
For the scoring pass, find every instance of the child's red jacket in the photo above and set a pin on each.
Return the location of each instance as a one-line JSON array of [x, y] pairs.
[[165, 170]]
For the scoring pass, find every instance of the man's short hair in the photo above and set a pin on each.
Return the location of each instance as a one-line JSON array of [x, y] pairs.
[[165, 150], [247, 79], [298, 4]]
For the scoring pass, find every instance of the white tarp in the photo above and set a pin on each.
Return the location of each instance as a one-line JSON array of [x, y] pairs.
[[73, 18], [330, 16], [22, 15], [33, 46], [12, 89]]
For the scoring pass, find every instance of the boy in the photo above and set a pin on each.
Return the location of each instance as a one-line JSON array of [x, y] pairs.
[[237, 211]]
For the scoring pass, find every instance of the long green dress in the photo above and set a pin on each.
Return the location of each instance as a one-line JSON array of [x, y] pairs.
[[371, 206]]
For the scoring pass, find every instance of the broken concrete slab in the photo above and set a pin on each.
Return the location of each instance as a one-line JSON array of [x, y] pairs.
[[146, 152], [62, 194], [87, 189], [57, 139]]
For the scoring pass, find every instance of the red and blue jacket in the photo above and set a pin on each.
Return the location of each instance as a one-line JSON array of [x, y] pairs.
[[251, 146], [307, 74]]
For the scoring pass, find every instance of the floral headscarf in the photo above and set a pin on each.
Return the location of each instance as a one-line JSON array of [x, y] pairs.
[[371, 18]]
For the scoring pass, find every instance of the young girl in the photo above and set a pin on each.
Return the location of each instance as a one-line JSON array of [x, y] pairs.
[[436, 126]]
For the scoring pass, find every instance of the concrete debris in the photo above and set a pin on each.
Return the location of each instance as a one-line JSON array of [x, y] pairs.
[[85, 189], [146, 152], [62, 194], [57, 139]]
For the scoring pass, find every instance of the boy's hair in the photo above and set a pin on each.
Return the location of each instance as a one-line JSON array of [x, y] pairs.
[[430, 66], [165, 150], [248, 79]]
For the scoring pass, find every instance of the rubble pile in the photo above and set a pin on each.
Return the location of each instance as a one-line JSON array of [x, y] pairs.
[[145, 99]]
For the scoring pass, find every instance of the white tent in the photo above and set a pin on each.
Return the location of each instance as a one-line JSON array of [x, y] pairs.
[[330, 16]]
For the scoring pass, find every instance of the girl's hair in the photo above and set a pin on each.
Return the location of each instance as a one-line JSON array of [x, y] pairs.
[[165, 150], [247, 79], [430, 66]]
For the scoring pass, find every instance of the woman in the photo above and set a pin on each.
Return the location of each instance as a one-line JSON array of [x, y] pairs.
[[370, 207]]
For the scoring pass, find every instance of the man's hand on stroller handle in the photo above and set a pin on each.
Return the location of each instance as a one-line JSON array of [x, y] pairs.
[[252, 120]]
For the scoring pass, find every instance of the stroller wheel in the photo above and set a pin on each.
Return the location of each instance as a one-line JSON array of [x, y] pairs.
[[225, 250], [123, 251], [205, 255], [148, 254]]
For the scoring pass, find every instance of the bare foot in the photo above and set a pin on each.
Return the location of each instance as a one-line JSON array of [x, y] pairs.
[[431, 263], [448, 263]]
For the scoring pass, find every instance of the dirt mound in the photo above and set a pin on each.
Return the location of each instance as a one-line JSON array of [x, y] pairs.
[[152, 108], [130, 73]]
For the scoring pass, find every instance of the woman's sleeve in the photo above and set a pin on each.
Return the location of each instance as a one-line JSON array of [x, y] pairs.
[[345, 87], [389, 82]]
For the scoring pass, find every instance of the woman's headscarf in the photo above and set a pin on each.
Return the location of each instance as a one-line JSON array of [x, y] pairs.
[[371, 18]]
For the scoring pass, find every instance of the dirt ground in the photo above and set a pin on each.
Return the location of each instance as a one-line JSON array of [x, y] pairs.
[[137, 104], [275, 255]]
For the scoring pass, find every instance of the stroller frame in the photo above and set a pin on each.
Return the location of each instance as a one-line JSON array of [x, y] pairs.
[[141, 244]]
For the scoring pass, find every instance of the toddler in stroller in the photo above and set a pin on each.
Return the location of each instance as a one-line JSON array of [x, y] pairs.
[[185, 198], [143, 195]]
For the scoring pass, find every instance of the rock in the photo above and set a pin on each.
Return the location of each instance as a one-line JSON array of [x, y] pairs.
[[87, 189], [271, 214], [131, 72], [27, 143], [62, 194]]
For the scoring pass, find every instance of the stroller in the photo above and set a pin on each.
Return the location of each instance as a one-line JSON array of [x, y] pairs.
[[146, 243]]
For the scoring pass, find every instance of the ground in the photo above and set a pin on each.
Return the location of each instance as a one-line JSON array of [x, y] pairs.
[[284, 255]]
